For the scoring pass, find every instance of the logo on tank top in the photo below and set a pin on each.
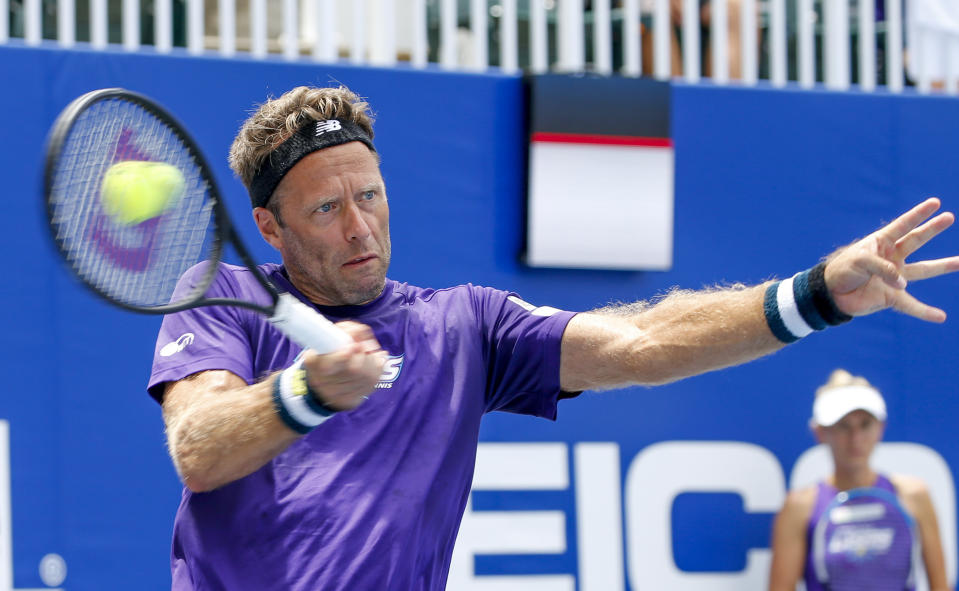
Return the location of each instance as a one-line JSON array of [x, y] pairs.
[[861, 542], [391, 371]]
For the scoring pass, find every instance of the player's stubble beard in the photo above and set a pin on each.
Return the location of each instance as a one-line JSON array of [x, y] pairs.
[[326, 282], [364, 292]]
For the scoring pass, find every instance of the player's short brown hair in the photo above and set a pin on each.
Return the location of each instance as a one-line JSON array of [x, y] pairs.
[[277, 119]]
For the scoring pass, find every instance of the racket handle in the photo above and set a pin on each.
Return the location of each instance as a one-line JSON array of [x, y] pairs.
[[306, 327]]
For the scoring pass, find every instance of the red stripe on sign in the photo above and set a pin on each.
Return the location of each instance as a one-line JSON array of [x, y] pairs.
[[609, 140]]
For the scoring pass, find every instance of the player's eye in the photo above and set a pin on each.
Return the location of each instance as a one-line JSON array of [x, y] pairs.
[[368, 195], [325, 208]]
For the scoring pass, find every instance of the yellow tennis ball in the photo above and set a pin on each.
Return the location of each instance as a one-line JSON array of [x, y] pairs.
[[135, 191]]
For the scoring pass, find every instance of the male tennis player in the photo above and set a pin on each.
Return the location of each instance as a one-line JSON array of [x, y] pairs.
[[350, 471], [868, 549]]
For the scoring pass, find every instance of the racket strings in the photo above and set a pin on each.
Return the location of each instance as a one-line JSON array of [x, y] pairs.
[[134, 264]]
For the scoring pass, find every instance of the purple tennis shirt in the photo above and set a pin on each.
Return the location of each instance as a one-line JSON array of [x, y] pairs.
[[372, 498]]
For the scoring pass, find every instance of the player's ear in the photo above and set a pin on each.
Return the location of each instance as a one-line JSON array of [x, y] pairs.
[[267, 225]]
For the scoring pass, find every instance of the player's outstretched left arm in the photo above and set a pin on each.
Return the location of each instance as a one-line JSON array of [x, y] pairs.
[[692, 332]]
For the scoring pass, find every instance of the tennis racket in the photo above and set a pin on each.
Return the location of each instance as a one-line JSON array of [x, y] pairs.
[[865, 541], [133, 263]]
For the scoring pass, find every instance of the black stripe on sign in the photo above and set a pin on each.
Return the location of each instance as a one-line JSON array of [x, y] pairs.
[[594, 105]]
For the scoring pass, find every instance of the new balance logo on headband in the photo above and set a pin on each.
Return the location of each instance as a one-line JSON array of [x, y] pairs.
[[325, 126], [310, 137]]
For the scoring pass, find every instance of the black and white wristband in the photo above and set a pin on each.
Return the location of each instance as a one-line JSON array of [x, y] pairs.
[[797, 306], [297, 404]]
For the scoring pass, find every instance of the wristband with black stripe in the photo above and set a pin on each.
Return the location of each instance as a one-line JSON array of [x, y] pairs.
[[297, 404], [800, 305]]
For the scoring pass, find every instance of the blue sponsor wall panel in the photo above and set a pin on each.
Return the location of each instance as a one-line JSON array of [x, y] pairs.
[[767, 182]]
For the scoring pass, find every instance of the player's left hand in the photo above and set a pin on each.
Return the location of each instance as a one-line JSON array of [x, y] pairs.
[[872, 274], [345, 378]]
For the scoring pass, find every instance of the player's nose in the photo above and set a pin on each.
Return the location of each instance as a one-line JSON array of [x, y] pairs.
[[356, 225]]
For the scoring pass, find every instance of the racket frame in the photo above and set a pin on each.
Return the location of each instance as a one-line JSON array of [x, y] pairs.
[[224, 229]]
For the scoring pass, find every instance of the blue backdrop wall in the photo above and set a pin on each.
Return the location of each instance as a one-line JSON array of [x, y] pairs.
[[766, 183]]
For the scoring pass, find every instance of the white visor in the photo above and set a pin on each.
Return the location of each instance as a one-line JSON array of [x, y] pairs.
[[835, 403]]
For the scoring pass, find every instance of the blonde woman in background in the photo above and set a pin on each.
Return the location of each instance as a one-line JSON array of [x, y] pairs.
[[849, 416]]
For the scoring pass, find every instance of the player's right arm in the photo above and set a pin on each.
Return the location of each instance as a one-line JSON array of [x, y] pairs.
[[789, 540], [220, 429]]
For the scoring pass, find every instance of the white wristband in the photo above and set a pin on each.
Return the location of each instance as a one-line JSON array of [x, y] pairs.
[[295, 402]]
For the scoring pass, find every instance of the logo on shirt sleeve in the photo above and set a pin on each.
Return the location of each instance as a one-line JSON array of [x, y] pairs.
[[174, 347], [534, 310]]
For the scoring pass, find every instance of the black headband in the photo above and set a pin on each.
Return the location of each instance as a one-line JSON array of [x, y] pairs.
[[313, 136]]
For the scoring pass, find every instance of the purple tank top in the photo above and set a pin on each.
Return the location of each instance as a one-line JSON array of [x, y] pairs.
[[860, 539]]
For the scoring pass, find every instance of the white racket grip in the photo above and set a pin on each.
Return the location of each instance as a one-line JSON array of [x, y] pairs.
[[306, 327]]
